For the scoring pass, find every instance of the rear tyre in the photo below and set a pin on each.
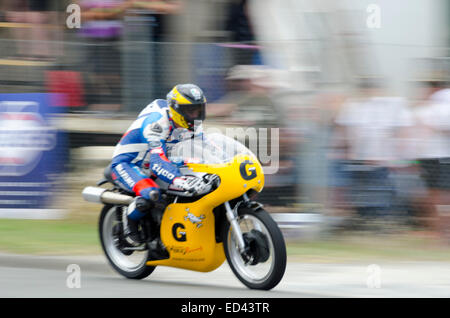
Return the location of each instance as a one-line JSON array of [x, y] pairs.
[[129, 264], [267, 265]]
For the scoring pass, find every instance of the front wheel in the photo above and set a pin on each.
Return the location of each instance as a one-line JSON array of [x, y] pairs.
[[264, 264], [129, 264]]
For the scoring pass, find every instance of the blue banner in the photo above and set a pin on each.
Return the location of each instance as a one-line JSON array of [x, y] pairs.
[[32, 152]]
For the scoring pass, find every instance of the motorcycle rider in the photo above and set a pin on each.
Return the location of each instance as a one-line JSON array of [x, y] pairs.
[[140, 158]]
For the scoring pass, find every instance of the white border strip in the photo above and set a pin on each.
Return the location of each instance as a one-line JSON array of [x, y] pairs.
[[33, 214], [296, 220]]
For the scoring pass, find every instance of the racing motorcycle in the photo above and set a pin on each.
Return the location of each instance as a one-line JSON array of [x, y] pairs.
[[199, 231]]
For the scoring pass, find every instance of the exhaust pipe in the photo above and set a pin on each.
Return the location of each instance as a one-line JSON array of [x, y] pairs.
[[100, 195]]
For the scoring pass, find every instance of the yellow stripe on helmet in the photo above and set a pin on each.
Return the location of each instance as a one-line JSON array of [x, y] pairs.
[[179, 98], [177, 118]]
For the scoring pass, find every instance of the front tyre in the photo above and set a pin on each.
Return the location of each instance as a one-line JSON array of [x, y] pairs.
[[267, 250], [129, 264]]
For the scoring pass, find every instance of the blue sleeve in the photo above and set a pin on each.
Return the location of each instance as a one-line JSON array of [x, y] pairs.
[[162, 167]]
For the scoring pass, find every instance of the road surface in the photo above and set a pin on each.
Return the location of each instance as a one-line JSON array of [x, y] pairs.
[[39, 276]]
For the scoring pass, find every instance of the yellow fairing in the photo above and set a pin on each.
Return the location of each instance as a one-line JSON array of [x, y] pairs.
[[188, 229]]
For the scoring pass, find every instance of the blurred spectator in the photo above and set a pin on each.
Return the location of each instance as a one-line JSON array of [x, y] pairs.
[[33, 40], [238, 22], [159, 13], [332, 101], [102, 29], [239, 25], [159, 10], [434, 150], [250, 102], [374, 127]]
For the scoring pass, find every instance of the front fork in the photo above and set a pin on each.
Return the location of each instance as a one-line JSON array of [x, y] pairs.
[[235, 228], [232, 215]]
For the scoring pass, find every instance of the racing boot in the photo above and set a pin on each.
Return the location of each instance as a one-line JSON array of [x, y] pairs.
[[136, 210], [158, 250]]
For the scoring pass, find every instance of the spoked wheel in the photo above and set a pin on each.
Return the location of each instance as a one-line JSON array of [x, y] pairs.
[[264, 263], [127, 262]]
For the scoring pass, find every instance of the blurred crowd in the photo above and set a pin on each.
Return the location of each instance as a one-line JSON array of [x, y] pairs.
[[349, 144], [389, 156]]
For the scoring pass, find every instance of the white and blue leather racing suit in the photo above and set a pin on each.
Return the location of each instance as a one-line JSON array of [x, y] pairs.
[[140, 156]]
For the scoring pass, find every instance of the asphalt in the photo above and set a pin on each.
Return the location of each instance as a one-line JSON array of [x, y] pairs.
[[48, 276]]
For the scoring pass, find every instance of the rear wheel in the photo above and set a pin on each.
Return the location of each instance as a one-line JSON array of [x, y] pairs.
[[264, 263], [131, 264]]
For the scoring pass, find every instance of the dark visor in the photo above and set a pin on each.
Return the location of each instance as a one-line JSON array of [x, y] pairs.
[[193, 112]]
